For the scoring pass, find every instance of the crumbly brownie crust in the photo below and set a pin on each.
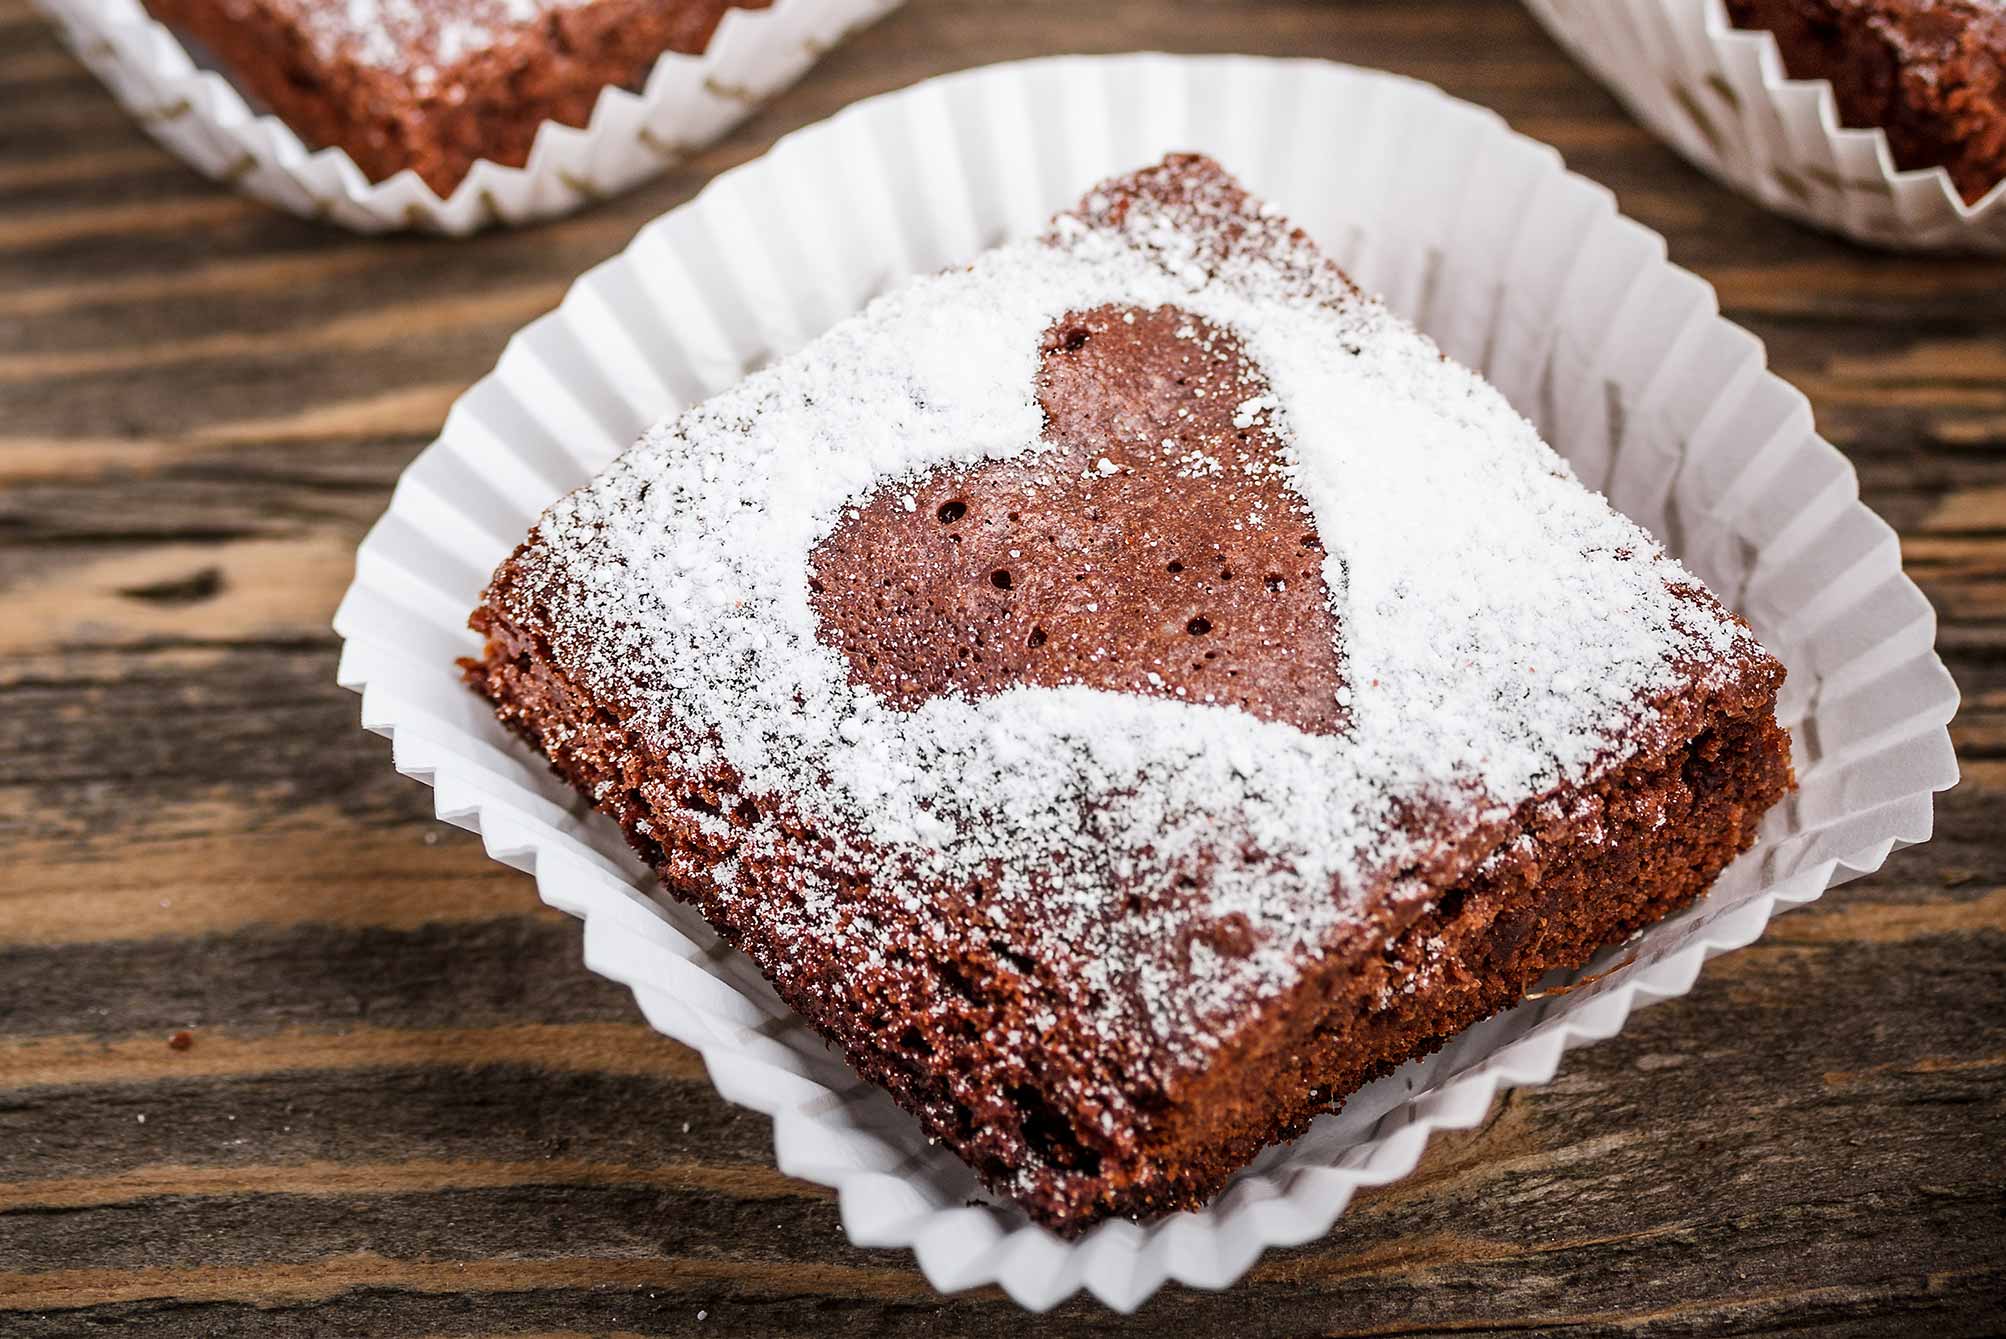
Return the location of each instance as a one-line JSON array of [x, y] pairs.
[[1571, 873], [1931, 73], [1106, 912], [435, 85]]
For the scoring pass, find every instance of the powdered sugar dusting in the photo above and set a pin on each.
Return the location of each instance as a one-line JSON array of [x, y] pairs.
[[1500, 625], [416, 37]]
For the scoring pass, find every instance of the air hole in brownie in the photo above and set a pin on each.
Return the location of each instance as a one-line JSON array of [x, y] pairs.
[[1047, 1132], [951, 977], [1225, 574], [1451, 904], [1000, 579], [1311, 542], [1075, 340], [1036, 639], [1199, 626], [1173, 566], [1017, 961], [912, 1042], [950, 512], [1273, 581], [746, 812], [702, 804]]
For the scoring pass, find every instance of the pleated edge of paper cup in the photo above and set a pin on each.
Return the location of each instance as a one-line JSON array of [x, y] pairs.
[[260, 156], [961, 1247], [1964, 226]]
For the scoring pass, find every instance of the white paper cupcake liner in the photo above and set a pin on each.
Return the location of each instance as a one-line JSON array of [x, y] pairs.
[[1571, 309], [687, 103], [1720, 96]]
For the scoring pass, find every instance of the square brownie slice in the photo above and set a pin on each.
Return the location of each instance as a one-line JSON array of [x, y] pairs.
[[435, 85], [1132, 691]]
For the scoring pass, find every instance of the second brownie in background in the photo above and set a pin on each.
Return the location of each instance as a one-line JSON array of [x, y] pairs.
[[436, 85]]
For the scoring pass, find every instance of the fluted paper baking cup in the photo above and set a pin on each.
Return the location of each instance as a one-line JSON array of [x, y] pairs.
[[1721, 96], [1571, 309], [686, 103]]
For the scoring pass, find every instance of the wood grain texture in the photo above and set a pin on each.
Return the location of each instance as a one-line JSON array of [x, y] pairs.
[[408, 1110]]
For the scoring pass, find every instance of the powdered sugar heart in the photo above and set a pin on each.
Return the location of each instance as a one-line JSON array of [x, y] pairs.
[[1154, 544]]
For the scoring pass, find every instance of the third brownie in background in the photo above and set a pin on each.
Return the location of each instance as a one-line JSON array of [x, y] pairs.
[[1883, 121], [1931, 73]]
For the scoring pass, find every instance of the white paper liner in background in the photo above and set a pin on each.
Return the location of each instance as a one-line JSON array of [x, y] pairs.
[[1720, 96], [1571, 309], [687, 103]]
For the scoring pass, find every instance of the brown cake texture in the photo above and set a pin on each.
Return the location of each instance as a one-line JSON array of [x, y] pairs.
[[1109, 1007], [1931, 73], [436, 85]]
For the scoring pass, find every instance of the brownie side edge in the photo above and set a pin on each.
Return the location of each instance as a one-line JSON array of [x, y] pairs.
[[1579, 869]]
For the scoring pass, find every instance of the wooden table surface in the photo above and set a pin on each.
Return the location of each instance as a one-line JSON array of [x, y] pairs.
[[407, 1109]]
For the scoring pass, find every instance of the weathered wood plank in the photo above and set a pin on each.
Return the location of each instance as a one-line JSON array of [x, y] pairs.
[[374, 1116]]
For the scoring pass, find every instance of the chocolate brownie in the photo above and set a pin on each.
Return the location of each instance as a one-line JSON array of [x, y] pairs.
[[1131, 691], [434, 85], [1932, 73]]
